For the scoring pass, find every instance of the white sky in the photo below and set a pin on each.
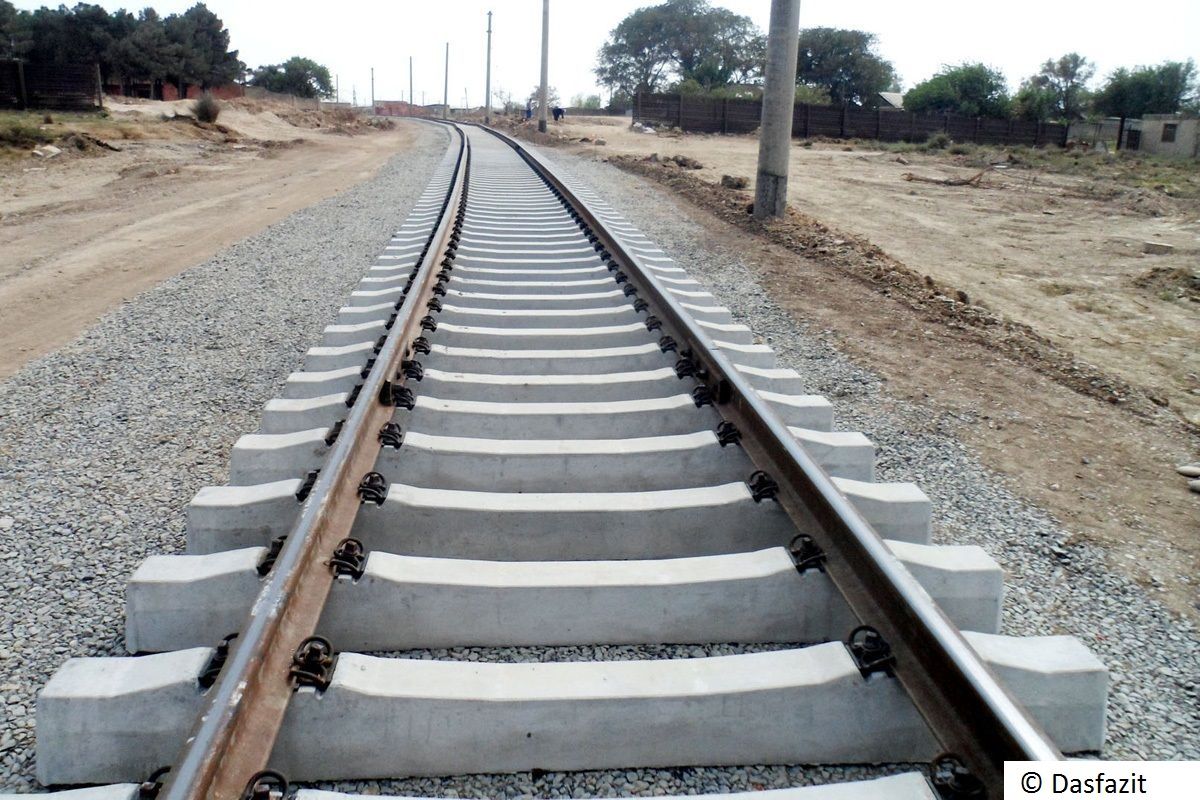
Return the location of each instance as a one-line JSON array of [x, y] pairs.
[[351, 36]]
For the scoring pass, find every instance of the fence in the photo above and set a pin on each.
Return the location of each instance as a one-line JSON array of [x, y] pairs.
[[26, 85], [716, 115]]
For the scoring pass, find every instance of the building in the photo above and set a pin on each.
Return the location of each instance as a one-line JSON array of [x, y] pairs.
[[891, 100], [1173, 135]]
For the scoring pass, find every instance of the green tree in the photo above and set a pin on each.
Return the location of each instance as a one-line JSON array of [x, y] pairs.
[[637, 56], [1035, 102], [201, 54], [146, 53], [844, 64], [714, 46], [1163, 89], [688, 41], [299, 76], [813, 95], [1058, 90], [10, 28], [973, 90]]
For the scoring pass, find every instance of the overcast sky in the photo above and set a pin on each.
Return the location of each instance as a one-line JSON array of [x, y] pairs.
[[351, 36]]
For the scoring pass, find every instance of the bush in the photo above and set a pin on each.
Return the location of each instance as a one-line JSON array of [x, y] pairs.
[[17, 133], [206, 109], [938, 141], [959, 149]]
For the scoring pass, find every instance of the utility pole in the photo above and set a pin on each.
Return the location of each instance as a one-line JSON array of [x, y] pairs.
[[372, 90], [412, 98], [446, 86], [487, 84], [779, 99], [337, 87], [542, 88]]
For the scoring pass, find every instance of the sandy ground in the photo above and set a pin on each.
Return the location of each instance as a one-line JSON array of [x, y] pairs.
[[81, 233], [1048, 250], [1106, 471]]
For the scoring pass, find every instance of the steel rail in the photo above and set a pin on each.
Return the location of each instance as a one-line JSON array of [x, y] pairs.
[[233, 738], [972, 715]]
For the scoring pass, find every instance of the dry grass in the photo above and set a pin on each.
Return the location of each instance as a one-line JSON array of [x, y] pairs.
[[21, 131]]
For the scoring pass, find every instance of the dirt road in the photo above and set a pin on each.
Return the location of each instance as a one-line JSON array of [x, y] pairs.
[[80, 235]]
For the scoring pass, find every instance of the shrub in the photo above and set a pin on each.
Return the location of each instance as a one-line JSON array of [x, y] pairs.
[[17, 133], [206, 109], [959, 149], [938, 141]]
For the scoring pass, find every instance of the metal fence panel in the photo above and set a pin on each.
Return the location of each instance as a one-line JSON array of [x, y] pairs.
[[716, 115], [26, 85]]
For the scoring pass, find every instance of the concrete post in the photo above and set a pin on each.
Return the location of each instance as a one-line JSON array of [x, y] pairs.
[[543, 88], [779, 97], [487, 84], [446, 86], [372, 91], [412, 98]]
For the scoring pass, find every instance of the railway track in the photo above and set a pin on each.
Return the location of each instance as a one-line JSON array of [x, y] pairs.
[[530, 428]]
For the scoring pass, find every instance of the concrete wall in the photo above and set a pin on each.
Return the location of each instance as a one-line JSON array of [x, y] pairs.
[[1187, 136], [1095, 133]]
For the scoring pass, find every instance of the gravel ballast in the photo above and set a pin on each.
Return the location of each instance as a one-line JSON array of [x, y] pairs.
[[103, 442]]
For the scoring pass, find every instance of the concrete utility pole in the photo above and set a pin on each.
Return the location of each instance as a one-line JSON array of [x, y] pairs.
[[446, 86], [779, 98], [337, 88], [412, 98], [543, 87], [372, 90], [487, 84]]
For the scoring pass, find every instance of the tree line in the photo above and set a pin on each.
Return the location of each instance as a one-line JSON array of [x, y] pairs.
[[188, 49], [694, 47]]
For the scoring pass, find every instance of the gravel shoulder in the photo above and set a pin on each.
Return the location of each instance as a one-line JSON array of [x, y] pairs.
[[104, 441]]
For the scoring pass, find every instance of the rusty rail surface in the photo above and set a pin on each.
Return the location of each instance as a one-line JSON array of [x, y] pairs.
[[233, 738]]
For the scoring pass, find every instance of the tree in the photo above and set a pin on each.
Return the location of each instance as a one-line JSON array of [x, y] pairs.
[[1058, 90], [638, 55], [1035, 102], [688, 40], [10, 29], [299, 76], [201, 54], [812, 95], [714, 46], [505, 99], [844, 64], [146, 53], [973, 90], [1163, 89], [586, 101], [552, 99]]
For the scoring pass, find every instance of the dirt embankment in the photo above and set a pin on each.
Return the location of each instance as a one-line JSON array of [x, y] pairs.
[[146, 192]]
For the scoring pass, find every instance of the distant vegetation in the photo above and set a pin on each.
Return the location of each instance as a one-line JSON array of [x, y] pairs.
[[695, 47], [188, 49], [302, 77]]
